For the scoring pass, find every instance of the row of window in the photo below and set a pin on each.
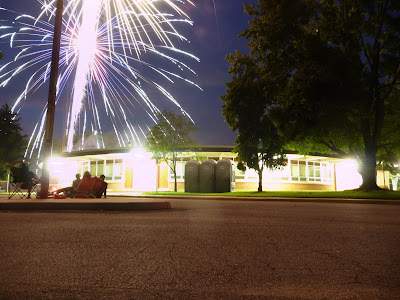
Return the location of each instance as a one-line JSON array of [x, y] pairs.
[[111, 168], [311, 171], [303, 171]]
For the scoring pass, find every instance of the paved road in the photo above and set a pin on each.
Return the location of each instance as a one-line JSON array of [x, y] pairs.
[[204, 250]]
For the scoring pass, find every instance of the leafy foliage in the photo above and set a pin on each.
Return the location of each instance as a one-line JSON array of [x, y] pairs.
[[331, 69], [13, 143], [246, 109], [169, 137]]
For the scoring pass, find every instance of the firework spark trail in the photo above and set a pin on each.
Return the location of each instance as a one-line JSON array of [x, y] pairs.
[[216, 20], [103, 42], [86, 43]]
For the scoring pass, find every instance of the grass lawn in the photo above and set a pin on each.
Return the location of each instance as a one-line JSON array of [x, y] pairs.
[[297, 194], [387, 195]]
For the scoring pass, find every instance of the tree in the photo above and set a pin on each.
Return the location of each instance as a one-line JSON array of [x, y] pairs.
[[169, 137], [334, 68], [13, 143], [260, 148], [258, 144]]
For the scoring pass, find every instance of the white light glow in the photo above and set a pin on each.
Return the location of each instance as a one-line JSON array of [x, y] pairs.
[[141, 153], [144, 170], [53, 161], [350, 163], [62, 171], [347, 176]]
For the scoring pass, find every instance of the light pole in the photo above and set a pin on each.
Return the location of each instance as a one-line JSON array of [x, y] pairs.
[[48, 138]]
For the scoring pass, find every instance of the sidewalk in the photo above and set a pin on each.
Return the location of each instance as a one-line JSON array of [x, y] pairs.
[[136, 201]]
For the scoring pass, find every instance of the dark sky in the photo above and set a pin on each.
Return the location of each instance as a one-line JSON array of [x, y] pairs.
[[211, 38]]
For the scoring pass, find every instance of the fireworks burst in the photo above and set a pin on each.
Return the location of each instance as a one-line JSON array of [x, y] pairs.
[[106, 47]]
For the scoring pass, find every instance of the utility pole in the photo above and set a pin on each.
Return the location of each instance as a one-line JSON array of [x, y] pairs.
[[48, 138]]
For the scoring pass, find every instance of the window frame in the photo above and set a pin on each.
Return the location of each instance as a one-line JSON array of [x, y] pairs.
[[88, 164]]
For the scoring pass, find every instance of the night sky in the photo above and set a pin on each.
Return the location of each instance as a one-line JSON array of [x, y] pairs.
[[211, 38]]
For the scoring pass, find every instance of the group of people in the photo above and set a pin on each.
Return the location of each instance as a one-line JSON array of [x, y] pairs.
[[74, 189], [23, 178]]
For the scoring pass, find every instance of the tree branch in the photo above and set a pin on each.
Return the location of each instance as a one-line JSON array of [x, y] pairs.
[[392, 84], [365, 50], [333, 148]]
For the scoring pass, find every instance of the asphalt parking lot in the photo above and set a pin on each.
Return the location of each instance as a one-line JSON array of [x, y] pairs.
[[205, 249]]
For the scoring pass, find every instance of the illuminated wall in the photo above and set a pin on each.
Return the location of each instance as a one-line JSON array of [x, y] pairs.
[[383, 179], [285, 186], [137, 171], [134, 171], [144, 172], [347, 176], [62, 172], [300, 173], [296, 171]]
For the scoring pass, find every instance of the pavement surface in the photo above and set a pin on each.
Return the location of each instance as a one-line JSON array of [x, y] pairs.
[[203, 249], [152, 202]]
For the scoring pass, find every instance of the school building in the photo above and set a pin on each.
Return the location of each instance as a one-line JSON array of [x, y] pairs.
[[134, 170]]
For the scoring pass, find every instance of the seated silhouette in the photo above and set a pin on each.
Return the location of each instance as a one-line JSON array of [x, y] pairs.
[[23, 178], [90, 187]]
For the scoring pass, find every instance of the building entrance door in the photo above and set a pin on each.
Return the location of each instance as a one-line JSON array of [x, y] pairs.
[[163, 176]]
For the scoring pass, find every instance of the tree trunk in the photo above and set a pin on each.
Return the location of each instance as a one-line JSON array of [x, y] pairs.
[[368, 171], [260, 181], [175, 184], [174, 170]]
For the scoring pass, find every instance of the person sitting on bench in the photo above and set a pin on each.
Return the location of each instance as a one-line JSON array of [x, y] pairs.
[[68, 191], [76, 181], [87, 174], [102, 177], [90, 187]]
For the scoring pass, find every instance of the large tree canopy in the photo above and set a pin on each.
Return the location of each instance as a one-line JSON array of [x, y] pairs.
[[12, 142], [245, 109], [169, 137], [331, 74]]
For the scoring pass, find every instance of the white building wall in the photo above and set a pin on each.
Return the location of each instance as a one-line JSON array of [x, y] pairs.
[[347, 176], [144, 171]]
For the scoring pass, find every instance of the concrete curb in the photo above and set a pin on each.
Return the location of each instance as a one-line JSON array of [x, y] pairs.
[[272, 199], [108, 206], [160, 202]]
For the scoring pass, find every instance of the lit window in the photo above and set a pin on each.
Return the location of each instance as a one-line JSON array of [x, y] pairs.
[[85, 167], [302, 171], [294, 167], [93, 168], [112, 168], [239, 173], [117, 169], [311, 171], [100, 167], [109, 168], [180, 167]]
